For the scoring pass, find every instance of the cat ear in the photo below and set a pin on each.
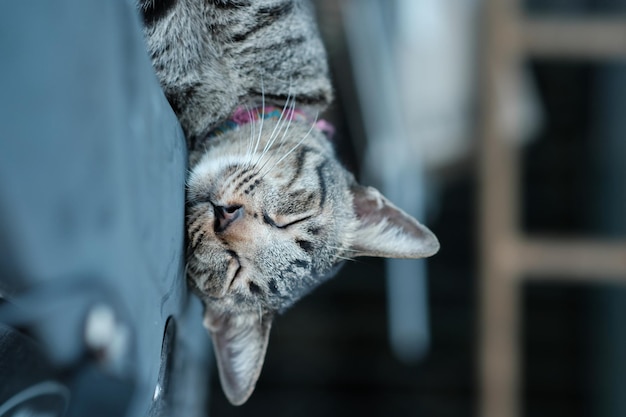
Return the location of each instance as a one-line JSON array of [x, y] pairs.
[[240, 342], [384, 230]]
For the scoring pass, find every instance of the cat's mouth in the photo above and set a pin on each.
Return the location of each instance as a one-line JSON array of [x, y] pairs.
[[221, 285], [233, 272]]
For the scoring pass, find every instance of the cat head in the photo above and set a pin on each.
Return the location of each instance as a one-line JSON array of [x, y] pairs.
[[271, 214]]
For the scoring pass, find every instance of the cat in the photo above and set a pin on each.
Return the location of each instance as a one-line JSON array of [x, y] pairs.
[[271, 212]]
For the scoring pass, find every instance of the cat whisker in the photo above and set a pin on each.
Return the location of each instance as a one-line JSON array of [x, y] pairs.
[[344, 258], [296, 146], [282, 121], [258, 141], [188, 177], [254, 126], [344, 250], [282, 141], [291, 108], [248, 154], [274, 134], [253, 135], [278, 126], [341, 248]]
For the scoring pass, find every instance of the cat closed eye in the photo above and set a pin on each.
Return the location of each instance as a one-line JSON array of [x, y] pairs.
[[284, 222]]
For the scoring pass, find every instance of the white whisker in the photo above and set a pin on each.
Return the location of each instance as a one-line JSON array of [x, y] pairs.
[[297, 144], [282, 140], [292, 109], [256, 147], [346, 259], [251, 138], [274, 134]]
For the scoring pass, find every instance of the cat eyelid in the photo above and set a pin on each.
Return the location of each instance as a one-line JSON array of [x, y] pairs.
[[294, 222], [268, 220]]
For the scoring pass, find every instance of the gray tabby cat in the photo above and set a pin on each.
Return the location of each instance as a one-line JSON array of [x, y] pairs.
[[271, 213]]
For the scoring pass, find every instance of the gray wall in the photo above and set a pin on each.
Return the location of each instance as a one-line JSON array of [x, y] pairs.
[[92, 171]]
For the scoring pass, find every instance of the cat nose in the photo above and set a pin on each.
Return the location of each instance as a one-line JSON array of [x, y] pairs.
[[226, 215]]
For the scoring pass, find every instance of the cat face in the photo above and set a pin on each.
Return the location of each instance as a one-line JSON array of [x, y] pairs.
[[265, 228], [271, 214]]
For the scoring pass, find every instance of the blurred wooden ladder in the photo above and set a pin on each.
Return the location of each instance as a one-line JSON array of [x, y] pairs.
[[508, 257]]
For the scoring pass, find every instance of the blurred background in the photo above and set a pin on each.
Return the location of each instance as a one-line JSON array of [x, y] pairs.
[[502, 126]]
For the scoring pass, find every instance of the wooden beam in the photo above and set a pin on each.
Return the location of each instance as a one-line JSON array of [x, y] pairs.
[[498, 203], [572, 260], [591, 38], [506, 257]]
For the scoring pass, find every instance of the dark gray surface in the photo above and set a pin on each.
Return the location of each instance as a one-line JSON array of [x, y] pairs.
[[608, 369], [92, 171]]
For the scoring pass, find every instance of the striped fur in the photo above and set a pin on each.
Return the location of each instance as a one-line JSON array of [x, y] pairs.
[[271, 213], [211, 56]]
